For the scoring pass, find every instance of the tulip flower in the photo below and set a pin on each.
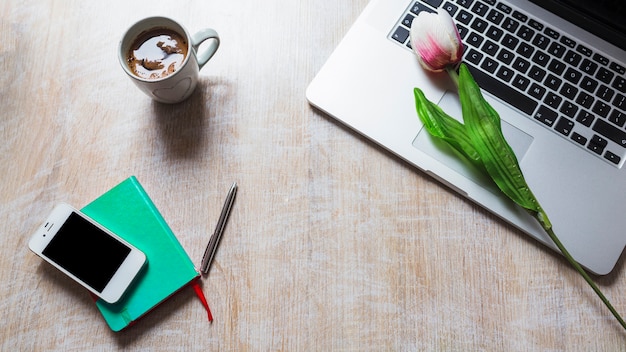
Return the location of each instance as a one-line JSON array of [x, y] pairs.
[[479, 138], [436, 41]]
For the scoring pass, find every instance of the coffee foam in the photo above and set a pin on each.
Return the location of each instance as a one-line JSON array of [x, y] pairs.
[[157, 53]]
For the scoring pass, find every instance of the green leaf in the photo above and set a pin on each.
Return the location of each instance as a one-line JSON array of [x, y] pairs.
[[443, 126], [480, 139], [485, 131]]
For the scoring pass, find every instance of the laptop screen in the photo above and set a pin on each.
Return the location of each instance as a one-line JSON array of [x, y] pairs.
[[604, 18]]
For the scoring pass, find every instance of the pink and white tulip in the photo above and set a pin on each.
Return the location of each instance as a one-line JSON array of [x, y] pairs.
[[436, 41]]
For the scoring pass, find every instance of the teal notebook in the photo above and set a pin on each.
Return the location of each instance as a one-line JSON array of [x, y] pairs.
[[127, 210]]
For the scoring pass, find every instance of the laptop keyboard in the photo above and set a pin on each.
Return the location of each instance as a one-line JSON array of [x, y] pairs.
[[578, 93]]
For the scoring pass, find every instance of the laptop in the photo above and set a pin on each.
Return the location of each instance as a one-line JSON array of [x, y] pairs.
[[555, 72]]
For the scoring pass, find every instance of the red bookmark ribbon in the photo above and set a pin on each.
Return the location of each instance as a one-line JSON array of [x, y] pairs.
[[196, 287]]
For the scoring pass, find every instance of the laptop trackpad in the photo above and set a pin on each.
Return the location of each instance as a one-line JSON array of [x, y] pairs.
[[441, 151]]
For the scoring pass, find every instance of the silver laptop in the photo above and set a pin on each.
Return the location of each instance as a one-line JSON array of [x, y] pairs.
[[559, 87]]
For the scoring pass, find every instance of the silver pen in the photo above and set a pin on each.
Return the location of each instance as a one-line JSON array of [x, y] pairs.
[[211, 248]]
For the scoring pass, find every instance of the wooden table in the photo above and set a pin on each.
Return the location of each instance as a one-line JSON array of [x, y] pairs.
[[333, 243]]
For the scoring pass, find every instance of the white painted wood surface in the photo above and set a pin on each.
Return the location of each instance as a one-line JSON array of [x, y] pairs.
[[333, 244]]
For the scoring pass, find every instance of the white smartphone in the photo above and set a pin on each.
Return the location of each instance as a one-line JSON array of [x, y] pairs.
[[87, 252]]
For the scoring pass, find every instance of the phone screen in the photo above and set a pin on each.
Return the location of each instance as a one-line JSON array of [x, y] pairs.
[[86, 251]]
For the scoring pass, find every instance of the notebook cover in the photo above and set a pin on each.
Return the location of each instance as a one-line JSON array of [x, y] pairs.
[[127, 210]]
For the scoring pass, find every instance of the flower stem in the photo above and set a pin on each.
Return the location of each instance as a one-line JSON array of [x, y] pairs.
[[453, 74], [584, 274]]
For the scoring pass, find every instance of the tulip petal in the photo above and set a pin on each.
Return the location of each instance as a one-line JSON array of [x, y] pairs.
[[436, 40]]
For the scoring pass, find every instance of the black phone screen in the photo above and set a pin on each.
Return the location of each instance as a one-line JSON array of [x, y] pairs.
[[86, 251]]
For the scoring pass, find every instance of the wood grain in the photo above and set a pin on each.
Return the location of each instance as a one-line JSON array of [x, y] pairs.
[[332, 244]]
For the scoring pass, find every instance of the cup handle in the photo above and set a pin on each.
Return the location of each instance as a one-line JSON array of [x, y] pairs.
[[205, 55]]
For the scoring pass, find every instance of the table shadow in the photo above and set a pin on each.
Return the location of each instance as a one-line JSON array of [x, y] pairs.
[[182, 127]]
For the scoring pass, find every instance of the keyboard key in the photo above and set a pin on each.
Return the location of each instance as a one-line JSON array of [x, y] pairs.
[[495, 17], [597, 144], [494, 33], [464, 17], [618, 68], [418, 7], [586, 118], [521, 65], [546, 116], [585, 100], [556, 66], [612, 157], [569, 91], [572, 75], [541, 58], [474, 40], [536, 91], [556, 49], [480, 9], [619, 84], [569, 109], [553, 82], [567, 42], [601, 59], [552, 100], [474, 57], [520, 82], [479, 25], [584, 50], [408, 20], [604, 75], [579, 139], [490, 48], [510, 41], [520, 16], [611, 132], [505, 56], [601, 109], [504, 8], [510, 25], [434, 3], [465, 3], [551, 33], [489, 65], [618, 118], [537, 73], [536, 25], [504, 91], [589, 84], [589, 67], [572, 58], [564, 126], [525, 33], [463, 31], [505, 73], [541, 41], [450, 8], [605, 93], [620, 102], [524, 49], [400, 34]]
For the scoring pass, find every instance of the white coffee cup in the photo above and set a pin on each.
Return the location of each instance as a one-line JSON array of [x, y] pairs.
[[179, 84]]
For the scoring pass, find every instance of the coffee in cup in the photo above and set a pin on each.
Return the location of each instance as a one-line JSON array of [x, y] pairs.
[[157, 53], [163, 59]]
